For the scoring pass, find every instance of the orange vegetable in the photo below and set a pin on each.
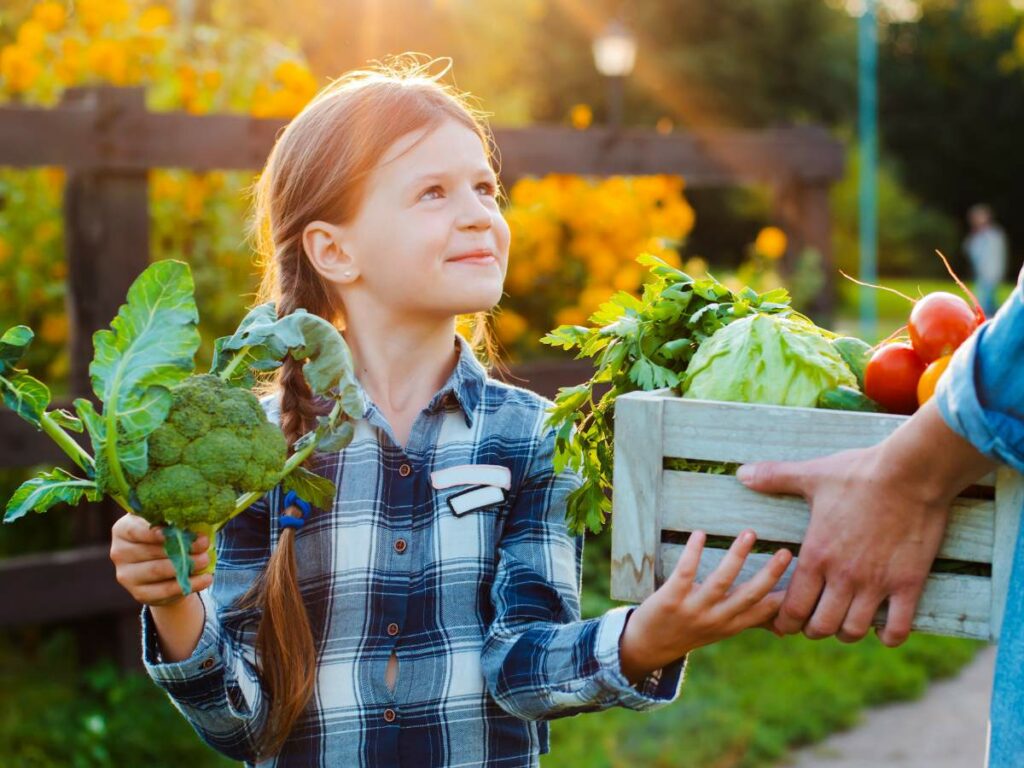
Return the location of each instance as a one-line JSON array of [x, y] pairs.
[[930, 377]]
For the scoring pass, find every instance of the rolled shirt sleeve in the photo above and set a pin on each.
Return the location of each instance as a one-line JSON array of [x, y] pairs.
[[981, 395], [541, 661], [217, 688]]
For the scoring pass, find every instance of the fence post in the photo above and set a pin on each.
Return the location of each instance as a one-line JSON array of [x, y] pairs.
[[106, 216]]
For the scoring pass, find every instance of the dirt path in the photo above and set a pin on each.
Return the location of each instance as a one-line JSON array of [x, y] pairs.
[[943, 729]]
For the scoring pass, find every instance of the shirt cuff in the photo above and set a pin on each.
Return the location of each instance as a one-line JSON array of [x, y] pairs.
[[957, 398], [193, 679], [658, 688]]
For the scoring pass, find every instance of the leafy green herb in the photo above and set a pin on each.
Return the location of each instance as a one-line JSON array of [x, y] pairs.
[[641, 343]]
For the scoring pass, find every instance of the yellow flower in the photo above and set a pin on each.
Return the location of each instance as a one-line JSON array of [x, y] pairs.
[[32, 36], [510, 325], [108, 59], [628, 277], [664, 125], [94, 14], [464, 326], [581, 116], [211, 79], [54, 329], [571, 316], [770, 243], [295, 76], [155, 17], [18, 68], [51, 15]]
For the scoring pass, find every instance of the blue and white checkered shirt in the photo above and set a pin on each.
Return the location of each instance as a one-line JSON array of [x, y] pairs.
[[480, 605]]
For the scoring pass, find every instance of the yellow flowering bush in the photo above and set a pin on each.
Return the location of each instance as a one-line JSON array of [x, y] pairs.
[[574, 244], [219, 67]]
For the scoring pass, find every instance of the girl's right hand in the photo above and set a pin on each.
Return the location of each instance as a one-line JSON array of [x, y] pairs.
[[143, 567], [684, 614]]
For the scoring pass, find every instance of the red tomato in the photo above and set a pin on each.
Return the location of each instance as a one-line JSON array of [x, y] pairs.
[[939, 323], [891, 377]]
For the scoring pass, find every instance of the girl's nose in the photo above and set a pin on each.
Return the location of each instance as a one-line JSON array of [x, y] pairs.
[[475, 214]]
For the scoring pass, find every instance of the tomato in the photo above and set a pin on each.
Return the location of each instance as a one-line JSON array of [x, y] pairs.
[[939, 323], [930, 377], [891, 377]]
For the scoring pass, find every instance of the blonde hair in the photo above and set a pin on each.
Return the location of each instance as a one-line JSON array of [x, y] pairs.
[[317, 170]]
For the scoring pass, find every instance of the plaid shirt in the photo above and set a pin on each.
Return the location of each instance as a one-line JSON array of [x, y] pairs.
[[481, 606]]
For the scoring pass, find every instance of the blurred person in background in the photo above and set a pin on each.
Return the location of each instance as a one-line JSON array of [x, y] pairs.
[[986, 248]]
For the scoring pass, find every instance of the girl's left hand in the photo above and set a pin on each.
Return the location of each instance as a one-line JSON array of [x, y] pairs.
[[683, 614]]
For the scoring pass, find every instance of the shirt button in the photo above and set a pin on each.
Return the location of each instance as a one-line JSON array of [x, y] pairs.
[[400, 546], [206, 664], [405, 470], [392, 629], [389, 715]]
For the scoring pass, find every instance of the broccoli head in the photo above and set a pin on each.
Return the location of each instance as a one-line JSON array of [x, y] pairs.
[[215, 444]]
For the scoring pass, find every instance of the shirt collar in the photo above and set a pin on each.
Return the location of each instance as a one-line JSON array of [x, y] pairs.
[[465, 384]]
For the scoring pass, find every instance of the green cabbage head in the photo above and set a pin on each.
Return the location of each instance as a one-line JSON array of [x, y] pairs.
[[766, 359]]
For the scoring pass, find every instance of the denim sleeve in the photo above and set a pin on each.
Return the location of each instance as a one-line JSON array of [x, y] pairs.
[[540, 660], [981, 396]]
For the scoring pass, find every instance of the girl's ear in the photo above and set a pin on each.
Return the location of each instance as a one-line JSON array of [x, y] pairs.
[[322, 243]]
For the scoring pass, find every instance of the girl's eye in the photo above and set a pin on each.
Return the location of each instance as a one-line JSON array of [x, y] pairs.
[[486, 185]]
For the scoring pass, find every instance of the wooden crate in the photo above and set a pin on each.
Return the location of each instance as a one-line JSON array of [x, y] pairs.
[[649, 502]]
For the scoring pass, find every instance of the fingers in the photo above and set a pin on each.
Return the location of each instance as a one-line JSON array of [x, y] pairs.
[[721, 579], [774, 477], [751, 592], [801, 597], [162, 591], [901, 614], [858, 619], [759, 614], [686, 569], [831, 610], [137, 574]]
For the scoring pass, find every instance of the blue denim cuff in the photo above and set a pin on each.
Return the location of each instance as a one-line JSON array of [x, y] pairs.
[[959, 401]]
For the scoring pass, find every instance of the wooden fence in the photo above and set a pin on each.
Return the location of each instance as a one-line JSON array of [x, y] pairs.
[[107, 141]]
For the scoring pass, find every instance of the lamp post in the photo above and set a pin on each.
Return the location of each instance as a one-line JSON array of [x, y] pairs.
[[867, 61], [614, 55]]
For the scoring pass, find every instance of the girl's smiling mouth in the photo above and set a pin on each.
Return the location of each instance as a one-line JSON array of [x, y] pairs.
[[483, 256]]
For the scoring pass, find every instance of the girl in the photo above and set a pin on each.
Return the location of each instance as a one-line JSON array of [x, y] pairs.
[[432, 616]]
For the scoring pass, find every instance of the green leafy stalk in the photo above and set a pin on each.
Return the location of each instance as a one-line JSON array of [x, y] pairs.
[[637, 344]]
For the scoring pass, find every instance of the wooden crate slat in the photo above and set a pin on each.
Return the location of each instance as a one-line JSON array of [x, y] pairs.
[[742, 432], [951, 604], [722, 506], [1009, 502], [634, 498]]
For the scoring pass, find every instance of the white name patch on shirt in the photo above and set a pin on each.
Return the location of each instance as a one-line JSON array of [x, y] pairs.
[[475, 498]]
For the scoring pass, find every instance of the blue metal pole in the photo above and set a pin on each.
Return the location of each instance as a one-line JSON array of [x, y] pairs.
[[867, 55]]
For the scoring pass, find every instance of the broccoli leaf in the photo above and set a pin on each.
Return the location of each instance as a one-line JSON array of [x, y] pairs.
[[236, 366], [26, 396], [303, 335], [13, 345], [178, 546], [149, 348], [46, 489], [317, 490]]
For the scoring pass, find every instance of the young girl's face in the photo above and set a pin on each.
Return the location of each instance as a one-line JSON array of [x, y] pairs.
[[425, 204]]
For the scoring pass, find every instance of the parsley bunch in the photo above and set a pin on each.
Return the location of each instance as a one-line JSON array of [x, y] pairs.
[[637, 344]]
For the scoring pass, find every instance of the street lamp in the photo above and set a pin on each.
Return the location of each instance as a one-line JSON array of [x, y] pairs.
[[614, 55]]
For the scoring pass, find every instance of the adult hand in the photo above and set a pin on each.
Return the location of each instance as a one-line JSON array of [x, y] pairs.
[[878, 516]]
